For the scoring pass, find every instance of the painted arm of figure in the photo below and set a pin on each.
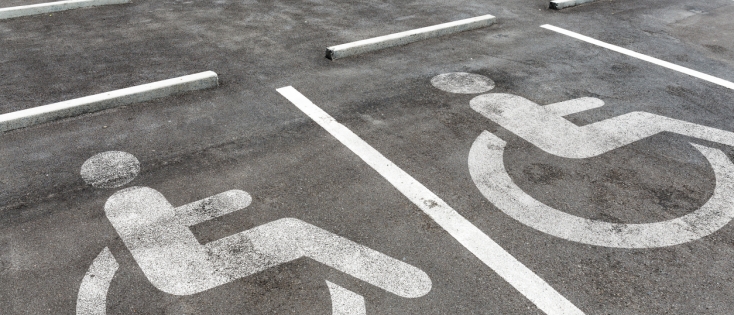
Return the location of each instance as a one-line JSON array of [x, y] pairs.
[[544, 126]]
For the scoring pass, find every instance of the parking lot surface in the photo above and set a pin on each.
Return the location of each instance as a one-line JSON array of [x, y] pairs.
[[296, 215]]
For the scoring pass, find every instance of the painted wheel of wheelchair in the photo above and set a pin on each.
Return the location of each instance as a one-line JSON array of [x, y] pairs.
[[92, 297], [487, 169]]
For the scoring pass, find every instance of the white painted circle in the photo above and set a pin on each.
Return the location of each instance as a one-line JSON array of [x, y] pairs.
[[462, 83], [110, 169]]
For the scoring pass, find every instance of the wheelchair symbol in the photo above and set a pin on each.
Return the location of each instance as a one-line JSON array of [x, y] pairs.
[[545, 127], [157, 235]]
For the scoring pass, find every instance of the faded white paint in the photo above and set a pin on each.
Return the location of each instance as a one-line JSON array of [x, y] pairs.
[[212, 207], [345, 302], [544, 128], [573, 106], [691, 72], [50, 7], [487, 169], [158, 237], [462, 83], [92, 296], [110, 169], [484, 248]]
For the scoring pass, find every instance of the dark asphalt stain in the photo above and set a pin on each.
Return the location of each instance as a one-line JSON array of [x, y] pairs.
[[539, 173]]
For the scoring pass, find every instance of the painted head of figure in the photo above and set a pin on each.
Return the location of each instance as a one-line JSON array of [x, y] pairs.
[[111, 169]]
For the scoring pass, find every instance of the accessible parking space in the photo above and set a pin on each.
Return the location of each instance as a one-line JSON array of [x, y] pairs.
[[547, 161]]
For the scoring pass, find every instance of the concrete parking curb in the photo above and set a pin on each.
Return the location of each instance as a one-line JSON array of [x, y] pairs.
[[402, 38], [98, 102], [50, 7], [560, 4]]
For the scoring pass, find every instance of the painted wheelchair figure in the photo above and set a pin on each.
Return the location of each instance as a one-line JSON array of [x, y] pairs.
[[157, 235], [545, 127]]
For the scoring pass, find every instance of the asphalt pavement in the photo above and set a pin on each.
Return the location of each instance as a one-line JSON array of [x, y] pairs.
[[395, 224]]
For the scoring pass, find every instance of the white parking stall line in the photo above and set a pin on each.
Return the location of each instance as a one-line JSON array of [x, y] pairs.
[[407, 37], [50, 7], [472, 238], [102, 101], [640, 56]]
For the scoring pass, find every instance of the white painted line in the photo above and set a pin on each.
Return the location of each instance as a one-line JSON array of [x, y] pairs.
[[98, 102], [472, 238], [560, 4], [402, 38], [640, 56], [50, 7], [92, 297]]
